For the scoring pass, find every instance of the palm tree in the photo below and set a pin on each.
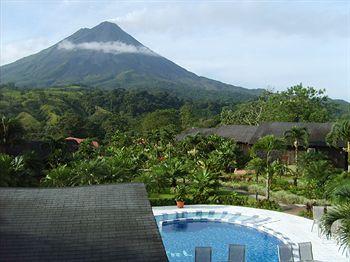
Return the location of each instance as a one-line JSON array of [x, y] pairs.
[[340, 132], [267, 147], [341, 214], [297, 136]]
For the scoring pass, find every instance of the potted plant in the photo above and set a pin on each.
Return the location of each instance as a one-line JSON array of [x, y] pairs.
[[180, 193]]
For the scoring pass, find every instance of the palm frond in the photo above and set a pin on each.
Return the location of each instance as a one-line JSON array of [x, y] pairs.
[[342, 194], [339, 213], [299, 134], [340, 132]]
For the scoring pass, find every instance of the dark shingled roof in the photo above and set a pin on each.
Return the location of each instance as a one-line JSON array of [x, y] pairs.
[[93, 223], [250, 134]]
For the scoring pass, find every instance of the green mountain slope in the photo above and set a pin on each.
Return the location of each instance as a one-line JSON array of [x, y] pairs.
[[107, 57]]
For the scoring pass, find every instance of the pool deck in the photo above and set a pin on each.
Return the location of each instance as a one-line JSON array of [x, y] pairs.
[[293, 228]]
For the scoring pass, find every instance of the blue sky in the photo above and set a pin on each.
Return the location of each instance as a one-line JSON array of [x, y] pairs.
[[254, 44]]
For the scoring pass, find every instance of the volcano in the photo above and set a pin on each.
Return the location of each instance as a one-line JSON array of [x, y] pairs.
[[107, 57]]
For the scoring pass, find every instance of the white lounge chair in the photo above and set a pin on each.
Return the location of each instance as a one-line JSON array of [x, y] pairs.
[[317, 213], [285, 253], [305, 251]]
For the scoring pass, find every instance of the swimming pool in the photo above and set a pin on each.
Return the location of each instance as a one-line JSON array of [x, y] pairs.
[[182, 232]]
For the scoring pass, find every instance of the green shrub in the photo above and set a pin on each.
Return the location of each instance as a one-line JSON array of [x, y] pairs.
[[167, 201], [240, 185], [281, 184], [266, 204], [231, 199], [180, 193], [260, 189], [162, 201], [305, 213], [289, 198], [226, 199]]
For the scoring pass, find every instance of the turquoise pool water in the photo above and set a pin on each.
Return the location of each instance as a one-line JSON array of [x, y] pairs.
[[180, 237]]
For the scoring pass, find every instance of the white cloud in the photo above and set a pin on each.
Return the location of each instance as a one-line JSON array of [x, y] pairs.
[[13, 51], [115, 47]]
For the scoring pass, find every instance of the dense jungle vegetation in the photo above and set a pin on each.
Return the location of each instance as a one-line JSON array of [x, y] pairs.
[[83, 112], [137, 132]]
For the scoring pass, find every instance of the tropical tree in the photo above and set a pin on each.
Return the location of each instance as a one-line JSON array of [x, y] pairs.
[[268, 148], [187, 115], [124, 165], [11, 168], [341, 214], [258, 165], [279, 168], [203, 185], [340, 132], [180, 192], [296, 137], [59, 153], [86, 150], [333, 185], [174, 168], [317, 174], [168, 118], [224, 157], [155, 179], [296, 104], [71, 124], [59, 176], [250, 113], [90, 172], [342, 193], [10, 130]]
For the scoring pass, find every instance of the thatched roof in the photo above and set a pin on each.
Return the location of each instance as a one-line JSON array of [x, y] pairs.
[[250, 134], [196, 131], [241, 133], [318, 131]]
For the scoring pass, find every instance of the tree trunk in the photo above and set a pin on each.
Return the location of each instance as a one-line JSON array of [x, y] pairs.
[[268, 186], [173, 182], [296, 146], [348, 156], [257, 177], [295, 179], [267, 176]]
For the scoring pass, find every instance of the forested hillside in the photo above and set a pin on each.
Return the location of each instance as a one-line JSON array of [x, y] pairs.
[[84, 112]]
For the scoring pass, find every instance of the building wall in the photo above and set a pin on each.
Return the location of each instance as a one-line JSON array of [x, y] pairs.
[[337, 156]]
